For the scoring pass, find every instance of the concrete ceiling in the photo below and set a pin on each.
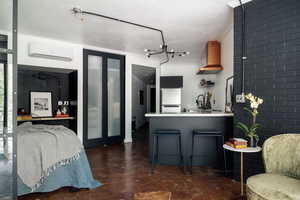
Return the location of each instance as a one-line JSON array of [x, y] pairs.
[[187, 25]]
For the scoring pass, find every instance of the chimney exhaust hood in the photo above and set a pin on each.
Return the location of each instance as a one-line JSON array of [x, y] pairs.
[[213, 59]]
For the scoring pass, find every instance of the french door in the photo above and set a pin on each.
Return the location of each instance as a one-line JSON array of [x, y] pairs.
[[104, 98]]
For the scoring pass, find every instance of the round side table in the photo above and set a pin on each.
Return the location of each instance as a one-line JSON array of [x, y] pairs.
[[242, 151]]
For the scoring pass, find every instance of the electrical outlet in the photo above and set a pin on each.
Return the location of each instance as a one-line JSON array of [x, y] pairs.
[[240, 98]]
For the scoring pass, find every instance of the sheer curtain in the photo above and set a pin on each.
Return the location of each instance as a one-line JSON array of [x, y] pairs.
[[95, 97], [114, 97]]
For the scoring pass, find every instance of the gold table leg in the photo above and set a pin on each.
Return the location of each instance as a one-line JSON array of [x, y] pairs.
[[242, 174]]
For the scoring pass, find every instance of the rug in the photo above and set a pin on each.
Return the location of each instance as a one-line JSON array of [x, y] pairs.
[[153, 196]]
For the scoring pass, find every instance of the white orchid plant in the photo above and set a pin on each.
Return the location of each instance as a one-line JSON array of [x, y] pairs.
[[250, 131]]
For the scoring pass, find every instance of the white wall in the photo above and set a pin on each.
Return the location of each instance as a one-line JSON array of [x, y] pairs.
[[227, 63], [77, 64], [138, 110], [191, 81]]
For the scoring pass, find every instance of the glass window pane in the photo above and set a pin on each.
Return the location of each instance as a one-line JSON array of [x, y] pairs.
[[114, 97], [94, 97], [6, 129], [5, 145]]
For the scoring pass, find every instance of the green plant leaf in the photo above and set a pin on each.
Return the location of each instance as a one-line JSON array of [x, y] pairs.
[[243, 127]]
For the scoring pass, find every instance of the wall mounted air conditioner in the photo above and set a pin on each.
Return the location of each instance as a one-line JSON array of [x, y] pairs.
[[51, 51]]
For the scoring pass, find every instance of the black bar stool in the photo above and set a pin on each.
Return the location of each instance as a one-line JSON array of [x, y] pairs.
[[208, 133], [155, 145]]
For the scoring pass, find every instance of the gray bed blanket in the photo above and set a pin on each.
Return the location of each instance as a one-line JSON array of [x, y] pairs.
[[43, 148]]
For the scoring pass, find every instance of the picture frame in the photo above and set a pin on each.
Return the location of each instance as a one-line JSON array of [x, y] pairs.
[[41, 104]]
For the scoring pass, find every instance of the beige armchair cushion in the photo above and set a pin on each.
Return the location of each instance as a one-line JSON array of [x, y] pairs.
[[274, 187], [281, 155]]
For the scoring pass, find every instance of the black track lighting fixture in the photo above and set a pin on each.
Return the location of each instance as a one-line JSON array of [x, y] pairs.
[[163, 48]]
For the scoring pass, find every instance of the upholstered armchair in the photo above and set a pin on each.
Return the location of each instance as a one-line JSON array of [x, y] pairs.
[[281, 181]]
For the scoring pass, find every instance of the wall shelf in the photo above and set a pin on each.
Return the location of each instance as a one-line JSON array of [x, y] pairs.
[[46, 119], [208, 86]]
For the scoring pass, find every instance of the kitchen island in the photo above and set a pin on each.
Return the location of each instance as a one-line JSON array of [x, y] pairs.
[[207, 151]]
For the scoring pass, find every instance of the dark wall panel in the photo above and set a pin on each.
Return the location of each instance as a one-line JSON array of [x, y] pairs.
[[63, 86], [272, 70], [171, 81], [29, 80]]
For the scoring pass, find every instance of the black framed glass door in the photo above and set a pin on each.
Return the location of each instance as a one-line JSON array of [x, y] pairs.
[[104, 98]]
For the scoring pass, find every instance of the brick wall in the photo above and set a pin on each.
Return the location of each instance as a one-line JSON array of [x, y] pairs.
[[272, 70]]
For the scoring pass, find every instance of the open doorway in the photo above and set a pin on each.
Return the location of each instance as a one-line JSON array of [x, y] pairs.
[[143, 98]]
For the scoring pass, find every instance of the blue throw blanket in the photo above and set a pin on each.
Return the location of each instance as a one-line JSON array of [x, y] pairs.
[[76, 174]]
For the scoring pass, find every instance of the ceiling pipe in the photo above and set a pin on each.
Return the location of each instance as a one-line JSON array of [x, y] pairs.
[[77, 10], [244, 57]]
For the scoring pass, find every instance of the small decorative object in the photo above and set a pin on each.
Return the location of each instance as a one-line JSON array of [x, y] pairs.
[[250, 130], [41, 104], [58, 112], [228, 108], [21, 111], [63, 109]]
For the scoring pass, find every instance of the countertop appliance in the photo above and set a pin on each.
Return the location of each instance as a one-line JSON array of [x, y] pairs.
[[171, 100]]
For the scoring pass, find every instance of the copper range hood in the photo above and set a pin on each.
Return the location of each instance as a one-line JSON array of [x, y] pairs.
[[213, 59]]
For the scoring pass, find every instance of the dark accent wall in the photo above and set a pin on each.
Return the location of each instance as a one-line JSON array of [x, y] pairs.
[[37, 81], [171, 81], [63, 86], [272, 70]]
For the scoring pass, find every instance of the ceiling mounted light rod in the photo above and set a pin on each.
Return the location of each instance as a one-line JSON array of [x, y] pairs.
[[77, 10], [149, 53]]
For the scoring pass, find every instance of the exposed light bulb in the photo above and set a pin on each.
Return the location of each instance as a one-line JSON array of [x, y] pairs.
[[164, 49]]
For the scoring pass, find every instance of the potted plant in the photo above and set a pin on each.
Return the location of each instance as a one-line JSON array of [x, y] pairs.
[[250, 131]]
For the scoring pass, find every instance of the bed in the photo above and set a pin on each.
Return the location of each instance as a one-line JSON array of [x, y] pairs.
[[51, 157]]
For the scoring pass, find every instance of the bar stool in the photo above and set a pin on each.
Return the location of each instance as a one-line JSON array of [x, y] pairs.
[[155, 145], [208, 133]]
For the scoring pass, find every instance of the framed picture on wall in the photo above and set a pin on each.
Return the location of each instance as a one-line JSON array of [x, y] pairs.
[[41, 104]]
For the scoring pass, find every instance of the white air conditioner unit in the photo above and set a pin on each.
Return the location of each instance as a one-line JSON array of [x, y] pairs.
[[50, 51]]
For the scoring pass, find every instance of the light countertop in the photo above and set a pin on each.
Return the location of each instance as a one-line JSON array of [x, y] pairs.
[[190, 114]]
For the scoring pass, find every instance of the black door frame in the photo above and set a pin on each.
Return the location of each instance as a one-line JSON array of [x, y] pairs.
[[105, 139]]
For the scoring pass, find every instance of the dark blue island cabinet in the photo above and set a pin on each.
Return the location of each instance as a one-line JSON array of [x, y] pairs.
[[208, 151]]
